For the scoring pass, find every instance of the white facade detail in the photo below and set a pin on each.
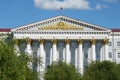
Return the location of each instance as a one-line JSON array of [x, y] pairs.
[[42, 56], [67, 52], [106, 52], [80, 57], [93, 50], [71, 41], [29, 52], [54, 51]]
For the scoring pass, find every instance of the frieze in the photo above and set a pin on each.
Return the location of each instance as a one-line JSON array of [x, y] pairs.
[[61, 26]]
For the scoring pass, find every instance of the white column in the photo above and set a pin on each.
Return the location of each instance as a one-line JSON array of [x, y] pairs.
[[76, 58], [101, 53], [93, 42], [54, 51], [51, 56], [80, 56], [64, 54], [16, 44], [105, 42], [67, 52], [106, 51], [42, 57], [38, 62], [29, 51], [28, 48]]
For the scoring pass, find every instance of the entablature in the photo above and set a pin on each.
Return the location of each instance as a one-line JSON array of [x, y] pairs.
[[72, 34], [116, 34], [77, 32]]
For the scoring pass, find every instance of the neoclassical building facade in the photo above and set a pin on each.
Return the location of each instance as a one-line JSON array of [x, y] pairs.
[[69, 40]]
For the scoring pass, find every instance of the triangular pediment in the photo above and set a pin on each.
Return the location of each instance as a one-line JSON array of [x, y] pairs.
[[60, 23], [61, 26]]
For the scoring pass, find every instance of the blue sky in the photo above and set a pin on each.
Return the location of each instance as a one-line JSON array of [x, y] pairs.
[[14, 13]]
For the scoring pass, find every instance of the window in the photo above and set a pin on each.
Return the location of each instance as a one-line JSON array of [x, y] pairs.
[[109, 44], [118, 55], [110, 55], [98, 44], [86, 55], [118, 43]]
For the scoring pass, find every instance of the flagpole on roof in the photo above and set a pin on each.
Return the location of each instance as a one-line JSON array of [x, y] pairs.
[[61, 8]]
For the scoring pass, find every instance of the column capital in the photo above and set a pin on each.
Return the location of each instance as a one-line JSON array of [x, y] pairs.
[[16, 41], [28, 41], [54, 41], [105, 41], [41, 41], [93, 41], [67, 41], [80, 41]]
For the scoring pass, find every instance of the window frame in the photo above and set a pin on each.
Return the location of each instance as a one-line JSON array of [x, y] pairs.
[[110, 44], [109, 54], [118, 55], [118, 44]]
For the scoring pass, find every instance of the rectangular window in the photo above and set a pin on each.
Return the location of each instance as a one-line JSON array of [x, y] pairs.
[[118, 43], [86, 55], [118, 55], [110, 55], [109, 44]]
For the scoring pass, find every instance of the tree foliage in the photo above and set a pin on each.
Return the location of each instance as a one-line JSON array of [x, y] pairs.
[[105, 70], [14, 67], [62, 71]]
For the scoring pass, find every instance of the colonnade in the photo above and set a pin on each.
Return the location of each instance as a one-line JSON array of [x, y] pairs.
[[67, 56]]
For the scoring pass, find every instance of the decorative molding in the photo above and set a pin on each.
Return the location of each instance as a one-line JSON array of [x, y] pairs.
[[41, 41], [29, 41], [105, 41], [41, 24], [93, 41], [54, 41], [80, 41], [61, 26], [67, 41]]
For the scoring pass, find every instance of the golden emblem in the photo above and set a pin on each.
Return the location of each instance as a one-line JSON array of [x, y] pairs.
[[60, 24]]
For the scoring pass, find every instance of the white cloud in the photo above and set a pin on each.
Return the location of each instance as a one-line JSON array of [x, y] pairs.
[[99, 7], [66, 4]]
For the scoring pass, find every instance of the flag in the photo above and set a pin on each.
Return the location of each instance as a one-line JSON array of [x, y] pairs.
[[61, 8]]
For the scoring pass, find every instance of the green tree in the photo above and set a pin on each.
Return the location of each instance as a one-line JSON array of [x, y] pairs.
[[105, 70], [14, 67], [117, 70], [62, 71]]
